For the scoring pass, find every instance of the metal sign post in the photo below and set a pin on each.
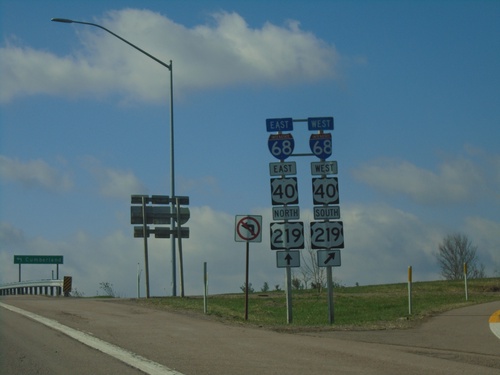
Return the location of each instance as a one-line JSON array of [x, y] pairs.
[[159, 214], [248, 229], [145, 237], [287, 235]]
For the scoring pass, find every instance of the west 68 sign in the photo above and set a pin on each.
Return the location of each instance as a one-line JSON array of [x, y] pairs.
[[321, 145]]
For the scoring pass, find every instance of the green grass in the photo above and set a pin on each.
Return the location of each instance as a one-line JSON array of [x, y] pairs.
[[361, 307]]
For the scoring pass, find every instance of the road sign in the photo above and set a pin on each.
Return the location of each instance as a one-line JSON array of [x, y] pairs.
[[38, 259], [288, 258], [284, 191], [326, 213], [327, 258], [282, 168], [161, 232], [286, 213], [279, 124], [320, 123], [325, 190], [248, 228], [324, 167], [327, 234], [281, 145], [157, 215], [288, 235], [321, 145]]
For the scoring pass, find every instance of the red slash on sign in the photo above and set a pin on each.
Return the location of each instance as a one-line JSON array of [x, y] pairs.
[[248, 228]]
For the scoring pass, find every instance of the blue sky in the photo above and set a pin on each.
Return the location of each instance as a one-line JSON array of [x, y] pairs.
[[414, 88]]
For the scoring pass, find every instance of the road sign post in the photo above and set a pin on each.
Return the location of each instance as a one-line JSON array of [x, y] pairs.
[[39, 259], [160, 214], [248, 229], [285, 234]]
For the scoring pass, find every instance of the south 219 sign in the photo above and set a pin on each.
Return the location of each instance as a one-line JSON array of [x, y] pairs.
[[325, 190], [284, 191], [327, 234]]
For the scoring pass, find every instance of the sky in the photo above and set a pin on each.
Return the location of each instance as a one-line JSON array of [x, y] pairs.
[[413, 86]]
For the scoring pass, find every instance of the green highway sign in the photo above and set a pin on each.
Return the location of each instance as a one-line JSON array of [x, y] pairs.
[[38, 259]]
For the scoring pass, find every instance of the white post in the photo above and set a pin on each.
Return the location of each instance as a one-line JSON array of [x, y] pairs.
[[205, 287], [465, 278], [409, 289]]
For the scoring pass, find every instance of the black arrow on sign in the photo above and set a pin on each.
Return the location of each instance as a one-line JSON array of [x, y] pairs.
[[331, 256], [288, 259], [249, 227]]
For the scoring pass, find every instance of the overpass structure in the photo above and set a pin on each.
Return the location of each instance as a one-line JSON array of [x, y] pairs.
[[45, 287]]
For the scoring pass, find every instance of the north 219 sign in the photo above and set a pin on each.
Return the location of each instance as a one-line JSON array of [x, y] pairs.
[[288, 235]]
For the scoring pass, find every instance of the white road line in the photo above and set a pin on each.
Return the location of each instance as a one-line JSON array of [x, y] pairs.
[[132, 359]]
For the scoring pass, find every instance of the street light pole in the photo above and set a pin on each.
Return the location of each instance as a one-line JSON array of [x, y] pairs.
[[172, 172]]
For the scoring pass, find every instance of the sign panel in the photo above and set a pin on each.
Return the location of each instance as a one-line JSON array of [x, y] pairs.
[[38, 259], [321, 145], [326, 213], [286, 213], [325, 190], [328, 258], [281, 145], [287, 235], [279, 124], [158, 215], [320, 123], [324, 167], [288, 259], [161, 232], [282, 168], [248, 228], [327, 234], [284, 191]]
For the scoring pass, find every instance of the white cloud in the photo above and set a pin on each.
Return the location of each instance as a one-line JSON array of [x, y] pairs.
[[112, 182], [457, 180], [225, 52], [34, 174], [484, 234]]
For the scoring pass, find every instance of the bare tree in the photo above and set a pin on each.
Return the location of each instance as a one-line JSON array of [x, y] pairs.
[[312, 274], [455, 250]]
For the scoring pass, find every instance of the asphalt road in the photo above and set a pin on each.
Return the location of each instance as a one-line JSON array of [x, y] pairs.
[[458, 342]]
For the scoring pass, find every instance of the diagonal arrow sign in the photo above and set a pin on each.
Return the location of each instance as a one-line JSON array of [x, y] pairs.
[[331, 257]]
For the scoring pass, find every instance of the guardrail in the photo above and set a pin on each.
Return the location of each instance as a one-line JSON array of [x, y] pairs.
[[46, 287]]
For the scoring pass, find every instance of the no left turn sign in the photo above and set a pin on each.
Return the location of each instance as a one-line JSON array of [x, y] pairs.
[[248, 228]]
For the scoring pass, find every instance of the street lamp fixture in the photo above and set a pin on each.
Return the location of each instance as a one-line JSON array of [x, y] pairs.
[[172, 173]]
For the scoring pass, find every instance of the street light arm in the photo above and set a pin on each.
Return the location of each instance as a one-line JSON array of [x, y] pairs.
[[65, 20]]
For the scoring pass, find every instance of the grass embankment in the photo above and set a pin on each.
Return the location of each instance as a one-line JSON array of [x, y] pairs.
[[360, 307]]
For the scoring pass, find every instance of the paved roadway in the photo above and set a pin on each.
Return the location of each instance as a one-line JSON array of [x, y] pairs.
[[457, 342]]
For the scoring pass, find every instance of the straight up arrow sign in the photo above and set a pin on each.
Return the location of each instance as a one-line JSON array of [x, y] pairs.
[[288, 258]]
